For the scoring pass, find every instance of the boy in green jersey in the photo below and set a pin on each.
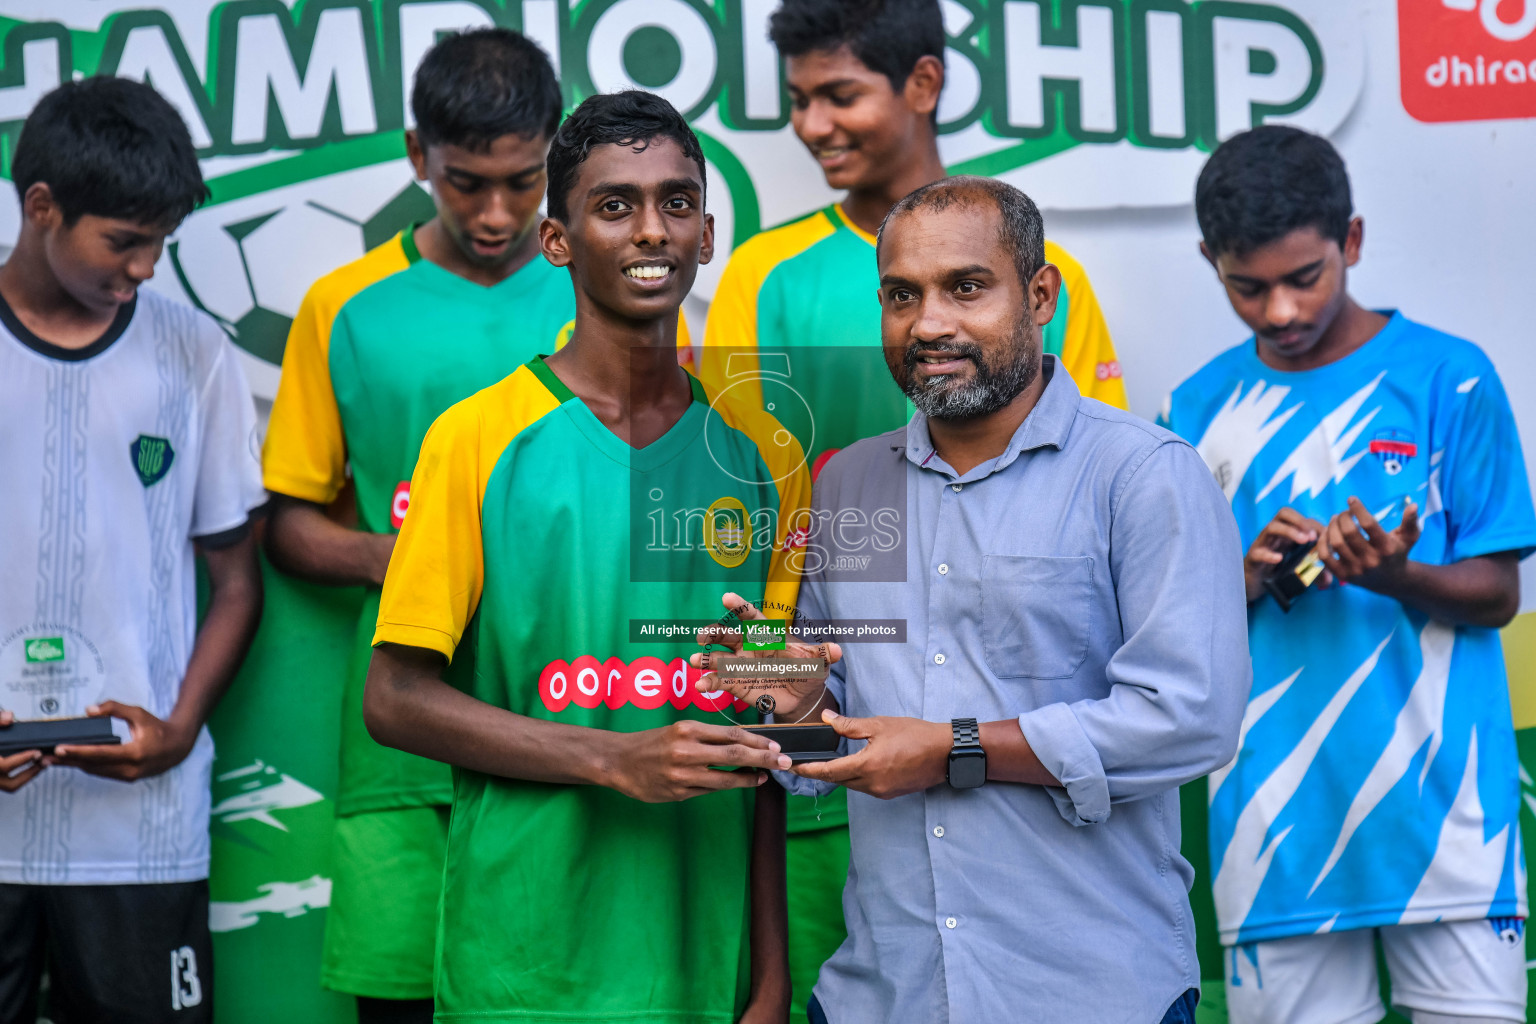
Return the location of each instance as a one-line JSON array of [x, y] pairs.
[[599, 865], [864, 79], [380, 347]]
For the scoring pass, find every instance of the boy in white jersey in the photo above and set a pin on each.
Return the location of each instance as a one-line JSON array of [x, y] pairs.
[[127, 439], [1375, 794]]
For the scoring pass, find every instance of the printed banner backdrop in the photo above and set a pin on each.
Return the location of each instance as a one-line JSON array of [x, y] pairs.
[[1103, 110]]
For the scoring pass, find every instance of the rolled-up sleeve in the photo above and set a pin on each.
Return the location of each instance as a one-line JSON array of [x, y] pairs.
[[1180, 681]]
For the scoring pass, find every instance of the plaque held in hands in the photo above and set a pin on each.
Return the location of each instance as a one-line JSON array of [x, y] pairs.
[[1296, 572], [44, 734], [775, 675]]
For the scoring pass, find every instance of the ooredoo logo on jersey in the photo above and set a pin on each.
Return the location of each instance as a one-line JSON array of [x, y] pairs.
[[1467, 60]]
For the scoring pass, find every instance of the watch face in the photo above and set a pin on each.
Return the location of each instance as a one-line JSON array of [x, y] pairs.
[[967, 771]]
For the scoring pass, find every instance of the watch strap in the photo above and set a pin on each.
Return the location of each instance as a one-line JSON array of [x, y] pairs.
[[966, 732]]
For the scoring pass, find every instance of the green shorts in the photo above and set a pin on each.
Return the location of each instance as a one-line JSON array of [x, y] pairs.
[[381, 928], [817, 869]]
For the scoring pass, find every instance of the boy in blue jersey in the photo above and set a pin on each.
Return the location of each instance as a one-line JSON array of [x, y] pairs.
[[1375, 793]]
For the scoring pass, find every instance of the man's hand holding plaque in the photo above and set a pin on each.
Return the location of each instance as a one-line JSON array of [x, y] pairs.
[[763, 667]]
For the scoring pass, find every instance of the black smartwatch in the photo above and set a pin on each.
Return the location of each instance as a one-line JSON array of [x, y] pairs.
[[967, 761]]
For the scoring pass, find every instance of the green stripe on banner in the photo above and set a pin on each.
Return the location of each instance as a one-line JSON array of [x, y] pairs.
[[276, 734]]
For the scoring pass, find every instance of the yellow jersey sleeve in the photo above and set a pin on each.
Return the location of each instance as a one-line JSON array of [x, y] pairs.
[[305, 452], [437, 571], [732, 323], [786, 462], [732, 319], [786, 570], [732, 327], [1087, 351]]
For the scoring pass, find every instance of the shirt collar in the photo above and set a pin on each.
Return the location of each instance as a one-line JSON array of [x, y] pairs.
[[1046, 426]]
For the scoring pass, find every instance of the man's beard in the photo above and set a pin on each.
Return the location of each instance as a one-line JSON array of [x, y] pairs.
[[986, 391]]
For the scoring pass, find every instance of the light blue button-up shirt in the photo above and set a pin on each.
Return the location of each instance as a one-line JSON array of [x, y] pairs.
[[1087, 582]]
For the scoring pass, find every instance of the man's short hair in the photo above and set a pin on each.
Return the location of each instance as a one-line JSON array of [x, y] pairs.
[[474, 87], [629, 118], [887, 36], [110, 147], [1020, 228], [1263, 184]]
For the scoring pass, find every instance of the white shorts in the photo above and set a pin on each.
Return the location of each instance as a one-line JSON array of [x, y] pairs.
[[1455, 969]]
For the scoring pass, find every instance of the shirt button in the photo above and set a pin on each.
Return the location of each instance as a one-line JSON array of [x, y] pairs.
[[938, 831], [943, 569], [950, 922], [956, 489], [938, 659]]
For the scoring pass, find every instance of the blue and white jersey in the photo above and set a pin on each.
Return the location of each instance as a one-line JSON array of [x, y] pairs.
[[1376, 780]]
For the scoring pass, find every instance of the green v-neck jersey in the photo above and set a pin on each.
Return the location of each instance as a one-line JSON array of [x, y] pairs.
[[380, 348], [545, 545]]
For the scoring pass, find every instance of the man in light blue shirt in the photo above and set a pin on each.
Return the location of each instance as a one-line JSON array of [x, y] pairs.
[[1071, 583]]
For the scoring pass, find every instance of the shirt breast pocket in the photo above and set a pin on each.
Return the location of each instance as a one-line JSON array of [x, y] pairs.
[[1036, 614]]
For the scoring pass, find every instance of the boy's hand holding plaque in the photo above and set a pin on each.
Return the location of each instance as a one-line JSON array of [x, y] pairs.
[[765, 668]]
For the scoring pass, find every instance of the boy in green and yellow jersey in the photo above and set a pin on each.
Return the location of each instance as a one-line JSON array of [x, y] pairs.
[[379, 349], [864, 77], [599, 867]]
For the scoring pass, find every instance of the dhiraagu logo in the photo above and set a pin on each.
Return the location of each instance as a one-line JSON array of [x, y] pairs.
[[763, 635], [299, 108], [44, 648]]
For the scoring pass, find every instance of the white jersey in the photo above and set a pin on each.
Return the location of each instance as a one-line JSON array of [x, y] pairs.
[[114, 458]]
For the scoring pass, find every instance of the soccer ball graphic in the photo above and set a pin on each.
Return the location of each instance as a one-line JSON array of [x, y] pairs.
[[247, 262]]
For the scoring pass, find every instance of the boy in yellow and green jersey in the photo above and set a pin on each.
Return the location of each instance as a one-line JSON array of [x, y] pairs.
[[379, 349], [599, 867], [864, 78]]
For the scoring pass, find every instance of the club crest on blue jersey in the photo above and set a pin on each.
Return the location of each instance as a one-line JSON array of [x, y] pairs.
[[152, 458], [1394, 448]]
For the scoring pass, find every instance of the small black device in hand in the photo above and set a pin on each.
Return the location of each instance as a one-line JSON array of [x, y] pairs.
[[1296, 572], [813, 742], [45, 734]]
